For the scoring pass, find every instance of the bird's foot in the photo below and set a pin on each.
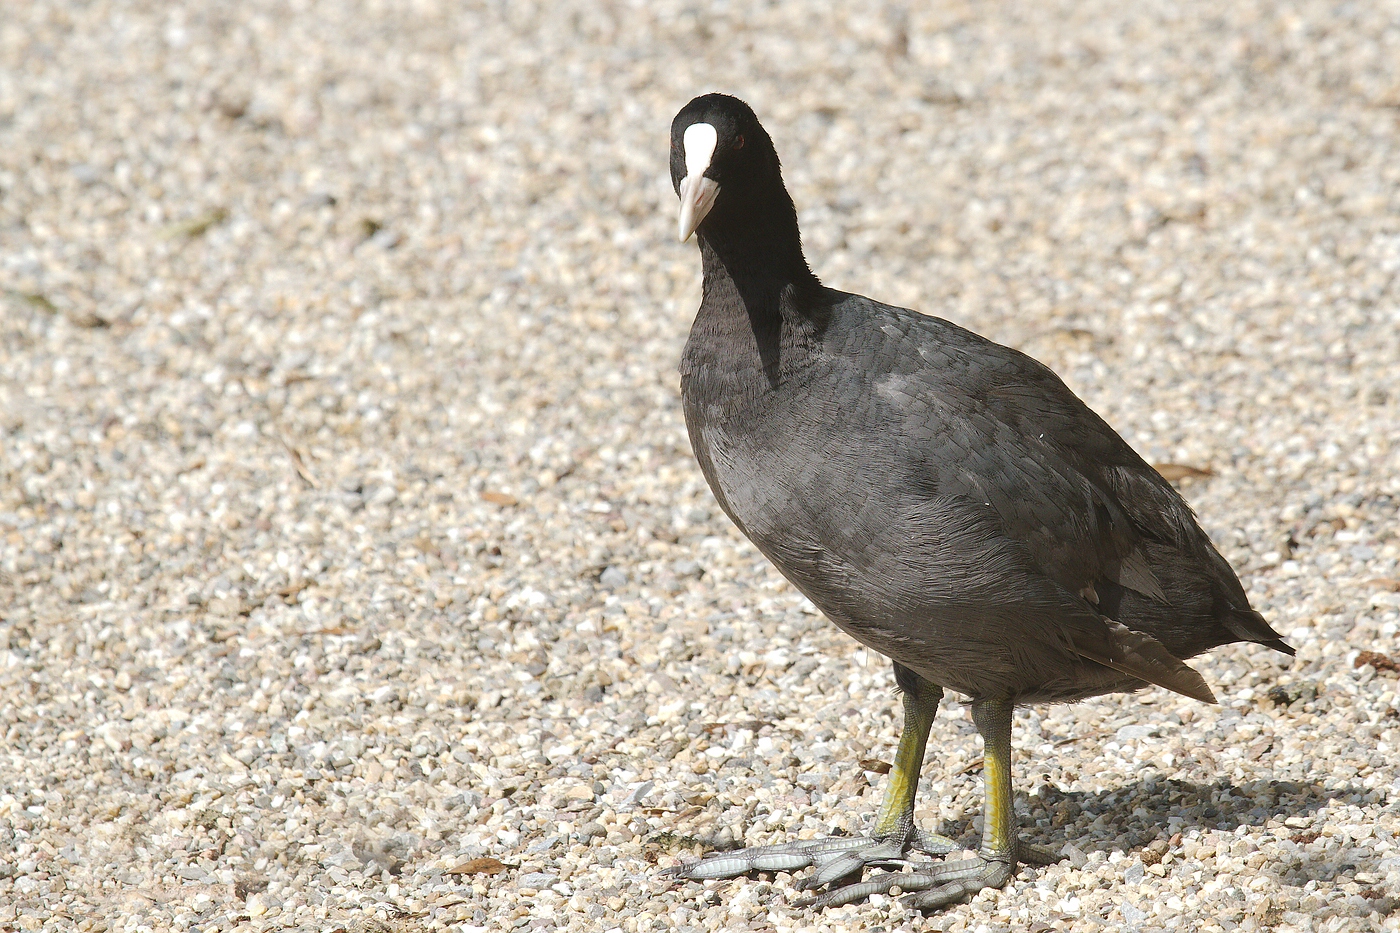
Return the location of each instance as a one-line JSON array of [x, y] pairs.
[[930, 885], [834, 857]]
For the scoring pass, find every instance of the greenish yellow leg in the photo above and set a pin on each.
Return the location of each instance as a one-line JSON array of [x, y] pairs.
[[840, 862], [996, 862], [993, 719], [921, 699], [936, 884]]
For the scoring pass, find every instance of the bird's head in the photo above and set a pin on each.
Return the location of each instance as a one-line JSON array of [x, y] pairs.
[[717, 144]]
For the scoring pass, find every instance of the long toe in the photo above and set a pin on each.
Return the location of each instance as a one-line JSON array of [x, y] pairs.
[[953, 881], [789, 856], [1037, 855], [882, 883], [734, 864], [832, 867], [932, 843], [928, 886]]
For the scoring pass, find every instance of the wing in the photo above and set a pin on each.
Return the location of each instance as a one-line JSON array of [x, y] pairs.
[[995, 429], [1150, 543], [998, 428]]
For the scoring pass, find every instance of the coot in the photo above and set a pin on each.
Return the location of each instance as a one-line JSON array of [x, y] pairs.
[[947, 501]]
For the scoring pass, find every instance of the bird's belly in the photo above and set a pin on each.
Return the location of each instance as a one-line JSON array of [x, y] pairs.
[[836, 528]]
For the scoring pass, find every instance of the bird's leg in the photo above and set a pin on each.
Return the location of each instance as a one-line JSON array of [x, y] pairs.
[[935, 885], [894, 833], [840, 857]]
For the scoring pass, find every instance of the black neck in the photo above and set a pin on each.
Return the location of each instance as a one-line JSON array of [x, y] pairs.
[[758, 291], [759, 248]]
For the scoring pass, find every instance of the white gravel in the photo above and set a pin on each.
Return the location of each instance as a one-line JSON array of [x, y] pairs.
[[351, 547]]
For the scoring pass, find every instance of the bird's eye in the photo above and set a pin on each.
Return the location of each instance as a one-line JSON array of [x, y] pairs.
[[738, 142]]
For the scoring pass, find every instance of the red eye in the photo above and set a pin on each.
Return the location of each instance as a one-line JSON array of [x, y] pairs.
[[738, 142]]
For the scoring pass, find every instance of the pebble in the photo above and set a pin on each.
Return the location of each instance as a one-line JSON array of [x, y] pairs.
[[349, 531]]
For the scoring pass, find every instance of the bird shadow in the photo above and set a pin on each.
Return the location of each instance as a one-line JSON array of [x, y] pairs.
[[1145, 810], [1132, 817]]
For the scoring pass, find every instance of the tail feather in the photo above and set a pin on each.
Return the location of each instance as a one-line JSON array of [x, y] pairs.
[[1249, 625], [1145, 658]]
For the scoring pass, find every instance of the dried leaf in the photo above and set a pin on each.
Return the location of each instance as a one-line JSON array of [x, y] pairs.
[[1377, 660], [1259, 748], [88, 319], [753, 725], [478, 866], [190, 229], [299, 463], [499, 498], [293, 588], [1172, 472], [369, 227], [1385, 583], [1088, 735], [972, 765], [34, 299]]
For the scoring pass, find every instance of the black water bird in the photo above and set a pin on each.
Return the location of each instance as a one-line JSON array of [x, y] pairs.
[[946, 501]]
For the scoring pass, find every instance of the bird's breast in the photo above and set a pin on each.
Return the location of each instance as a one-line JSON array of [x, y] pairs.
[[754, 473], [789, 471]]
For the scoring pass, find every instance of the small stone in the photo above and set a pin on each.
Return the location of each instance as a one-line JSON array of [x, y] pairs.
[[114, 736], [226, 606], [535, 881], [1154, 852], [1133, 733], [640, 792]]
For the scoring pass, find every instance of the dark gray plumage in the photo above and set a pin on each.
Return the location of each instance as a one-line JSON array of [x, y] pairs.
[[945, 500]]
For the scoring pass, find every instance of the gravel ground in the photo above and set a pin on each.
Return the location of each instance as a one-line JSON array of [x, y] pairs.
[[354, 569]]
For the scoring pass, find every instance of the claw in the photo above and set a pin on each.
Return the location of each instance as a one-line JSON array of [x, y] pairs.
[[882, 883]]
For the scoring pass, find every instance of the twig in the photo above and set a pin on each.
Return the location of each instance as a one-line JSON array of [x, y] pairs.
[[300, 465]]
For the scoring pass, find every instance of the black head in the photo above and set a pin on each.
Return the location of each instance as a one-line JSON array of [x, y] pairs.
[[722, 160]]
